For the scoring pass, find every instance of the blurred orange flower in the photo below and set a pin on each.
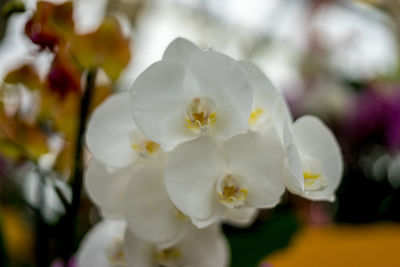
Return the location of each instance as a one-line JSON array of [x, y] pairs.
[[342, 245]]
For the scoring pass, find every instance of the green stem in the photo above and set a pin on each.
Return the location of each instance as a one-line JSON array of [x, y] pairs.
[[42, 233], [69, 245]]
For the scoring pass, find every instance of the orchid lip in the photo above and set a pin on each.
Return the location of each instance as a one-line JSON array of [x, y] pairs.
[[168, 257], [314, 179], [200, 115], [231, 191]]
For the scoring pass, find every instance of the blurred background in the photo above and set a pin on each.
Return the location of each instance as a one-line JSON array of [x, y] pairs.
[[337, 59]]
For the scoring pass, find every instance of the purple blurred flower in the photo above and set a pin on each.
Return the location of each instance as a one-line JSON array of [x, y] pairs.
[[393, 131], [376, 116], [369, 114]]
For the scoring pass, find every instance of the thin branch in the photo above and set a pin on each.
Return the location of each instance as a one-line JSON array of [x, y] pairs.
[[70, 219]]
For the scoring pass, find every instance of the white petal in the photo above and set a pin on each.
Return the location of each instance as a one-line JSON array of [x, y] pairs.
[[158, 99], [267, 97], [224, 81], [205, 248], [315, 139], [149, 212], [216, 216], [109, 132], [137, 251], [191, 171], [280, 116], [264, 92], [241, 217], [293, 178], [93, 249], [181, 50], [107, 189], [259, 158]]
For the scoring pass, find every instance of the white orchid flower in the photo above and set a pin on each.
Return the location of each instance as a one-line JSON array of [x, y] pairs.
[[314, 160], [138, 195], [205, 178], [191, 93], [199, 248], [112, 136], [103, 246]]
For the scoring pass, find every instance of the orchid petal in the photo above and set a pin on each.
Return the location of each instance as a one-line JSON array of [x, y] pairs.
[[149, 212], [259, 158], [109, 132], [191, 171]]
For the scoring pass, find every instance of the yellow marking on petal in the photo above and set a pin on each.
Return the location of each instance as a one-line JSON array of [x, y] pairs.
[[168, 256], [309, 175], [212, 118], [115, 253], [146, 147], [314, 181], [151, 147], [134, 146], [255, 114]]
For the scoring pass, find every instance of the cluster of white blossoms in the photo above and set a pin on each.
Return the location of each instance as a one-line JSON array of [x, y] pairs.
[[200, 139]]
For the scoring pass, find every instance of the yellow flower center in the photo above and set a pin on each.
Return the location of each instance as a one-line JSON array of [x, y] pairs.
[[168, 257], [230, 191], [200, 115], [314, 181]]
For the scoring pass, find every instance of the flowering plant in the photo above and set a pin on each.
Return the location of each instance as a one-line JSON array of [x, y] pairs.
[[199, 139]]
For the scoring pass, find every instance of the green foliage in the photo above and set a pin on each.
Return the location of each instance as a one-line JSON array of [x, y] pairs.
[[249, 246]]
